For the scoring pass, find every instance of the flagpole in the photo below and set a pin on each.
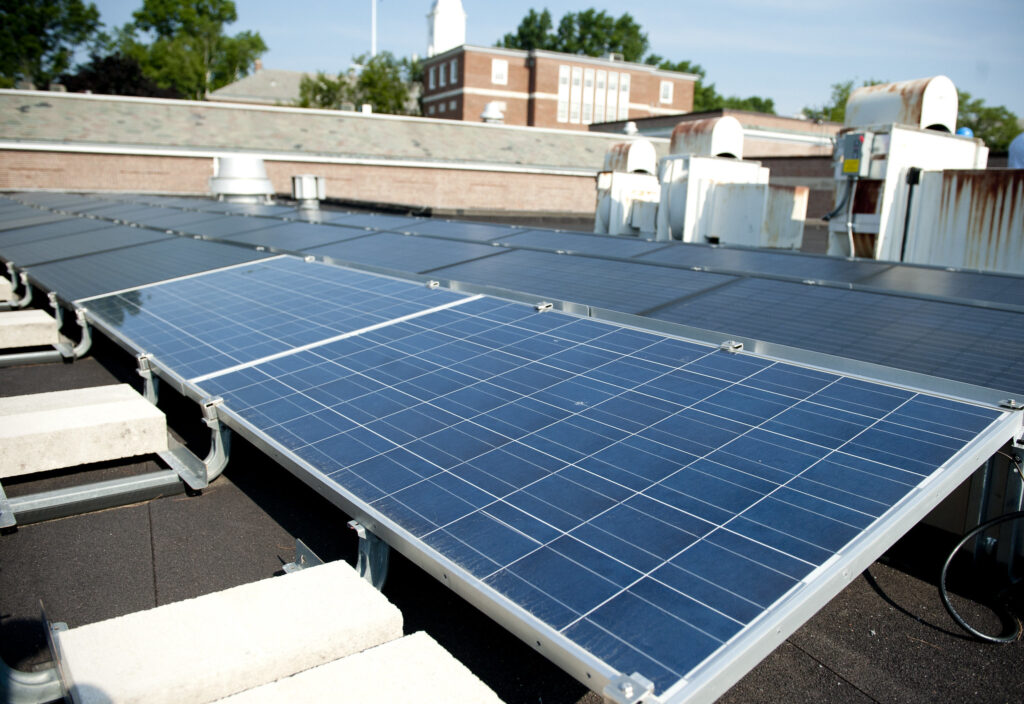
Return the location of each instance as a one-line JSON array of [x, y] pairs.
[[373, 28]]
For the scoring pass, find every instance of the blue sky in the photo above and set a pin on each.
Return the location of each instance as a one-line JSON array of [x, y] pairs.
[[788, 50]]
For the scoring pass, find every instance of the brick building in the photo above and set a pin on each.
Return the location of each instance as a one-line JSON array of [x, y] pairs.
[[549, 89]]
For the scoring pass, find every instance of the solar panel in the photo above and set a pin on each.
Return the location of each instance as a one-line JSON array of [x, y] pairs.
[[461, 230], [641, 502], [402, 252], [98, 274], [226, 225], [217, 206], [624, 286], [582, 243], [36, 233], [297, 236], [375, 221], [172, 219], [76, 245], [752, 261], [965, 343], [997, 288], [117, 211], [207, 323], [28, 217]]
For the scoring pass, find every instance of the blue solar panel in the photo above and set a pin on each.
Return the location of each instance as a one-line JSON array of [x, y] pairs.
[[462, 230], [403, 253], [207, 323], [374, 221], [625, 286], [997, 288], [643, 497], [297, 236], [582, 243], [78, 244], [36, 233], [975, 345]]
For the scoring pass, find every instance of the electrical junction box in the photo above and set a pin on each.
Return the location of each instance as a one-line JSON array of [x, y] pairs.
[[856, 154]]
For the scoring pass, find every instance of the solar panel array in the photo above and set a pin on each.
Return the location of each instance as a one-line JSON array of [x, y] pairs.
[[641, 500]]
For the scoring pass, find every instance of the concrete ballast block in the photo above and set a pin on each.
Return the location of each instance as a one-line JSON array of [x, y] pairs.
[[27, 328], [204, 649], [39, 432], [6, 290], [413, 669]]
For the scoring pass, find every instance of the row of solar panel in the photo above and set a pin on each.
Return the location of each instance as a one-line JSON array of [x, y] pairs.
[[1000, 290], [967, 343]]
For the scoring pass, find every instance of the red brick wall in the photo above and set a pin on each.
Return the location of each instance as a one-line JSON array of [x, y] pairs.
[[406, 185]]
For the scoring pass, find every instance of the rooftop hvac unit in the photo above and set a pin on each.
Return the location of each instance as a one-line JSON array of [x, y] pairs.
[[627, 189], [240, 179], [713, 136], [925, 103]]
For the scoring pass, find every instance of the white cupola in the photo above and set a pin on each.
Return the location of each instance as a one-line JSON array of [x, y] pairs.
[[446, 26]]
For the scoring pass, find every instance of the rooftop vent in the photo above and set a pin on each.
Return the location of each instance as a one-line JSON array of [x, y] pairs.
[[492, 113], [309, 190], [240, 179], [925, 103], [713, 136]]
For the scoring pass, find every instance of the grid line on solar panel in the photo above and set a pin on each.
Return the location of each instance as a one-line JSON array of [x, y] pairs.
[[586, 471], [204, 324]]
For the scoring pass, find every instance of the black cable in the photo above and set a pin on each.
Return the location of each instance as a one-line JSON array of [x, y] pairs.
[[1017, 515], [842, 202]]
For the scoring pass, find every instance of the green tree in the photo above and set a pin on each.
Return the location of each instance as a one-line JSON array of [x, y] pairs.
[[114, 74], [187, 48], [384, 83], [993, 123], [323, 91], [534, 32], [589, 32], [835, 109], [39, 37]]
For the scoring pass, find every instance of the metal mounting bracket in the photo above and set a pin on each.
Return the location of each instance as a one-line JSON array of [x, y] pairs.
[[26, 297], [1012, 404], [543, 307], [304, 557], [7, 519], [151, 382], [195, 472], [374, 556], [631, 689], [433, 284], [731, 346], [60, 351]]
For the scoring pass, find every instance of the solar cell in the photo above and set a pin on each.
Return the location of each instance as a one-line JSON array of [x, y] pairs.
[[402, 252], [645, 499], [975, 345], [78, 244], [624, 286], [297, 236], [462, 230], [226, 225], [582, 243], [205, 324], [98, 274]]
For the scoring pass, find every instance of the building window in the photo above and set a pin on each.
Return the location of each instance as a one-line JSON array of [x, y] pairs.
[[455, 71], [666, 91], [443, 77], [563, 94], [623, 96], [599, 95], [430, 77], [441, 107], [499, 72], [430, 110], [451, 105], [611, 113], [588, 96], [575, 94]]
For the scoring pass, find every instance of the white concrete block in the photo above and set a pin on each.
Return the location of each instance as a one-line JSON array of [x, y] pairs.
[[413, 669], [6, 290], [204, 649], [27, 328], [39, 432]]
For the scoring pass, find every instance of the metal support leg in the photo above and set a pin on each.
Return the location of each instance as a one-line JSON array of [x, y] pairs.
[[374, 556], [26, 298], [304, 557], [17, 687], [61, 351], [195, 472], [151, 389], [7, 519]]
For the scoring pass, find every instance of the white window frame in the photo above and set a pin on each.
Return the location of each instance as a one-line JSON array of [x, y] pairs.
[[600, 93], [665, 94], [588, 96], [430, 77], [575, 94], [611, 113], [563, 93], [499, 72], [623, 96]]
